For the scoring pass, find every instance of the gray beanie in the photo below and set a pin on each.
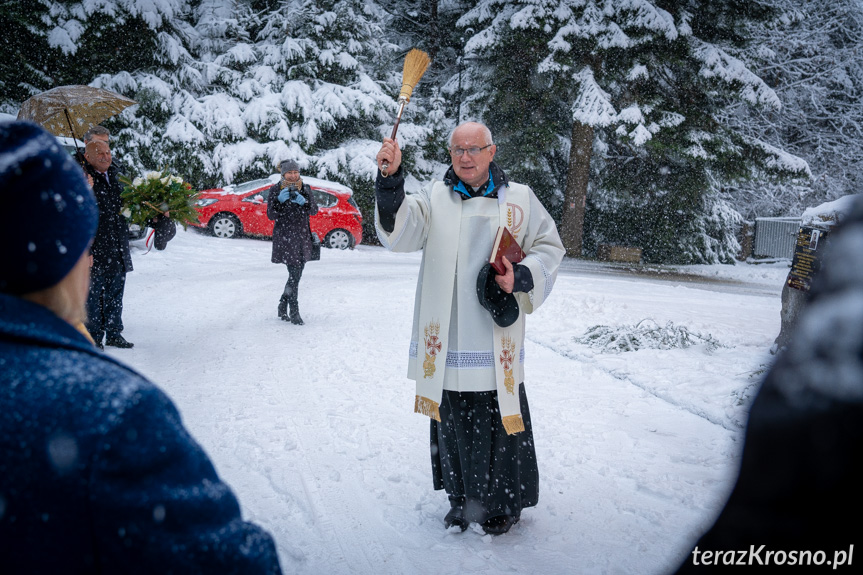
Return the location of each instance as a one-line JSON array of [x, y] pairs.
[[54, 212], [289, 166]]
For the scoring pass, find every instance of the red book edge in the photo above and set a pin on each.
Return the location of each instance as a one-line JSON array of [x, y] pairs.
[[504, 245]]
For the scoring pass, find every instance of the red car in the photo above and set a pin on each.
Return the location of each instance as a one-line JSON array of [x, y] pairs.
[[242, 209]]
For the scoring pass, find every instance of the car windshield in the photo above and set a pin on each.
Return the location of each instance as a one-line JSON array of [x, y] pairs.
[[249, 186]]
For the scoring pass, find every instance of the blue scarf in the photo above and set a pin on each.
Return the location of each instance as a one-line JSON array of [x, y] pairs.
[[460, 186]]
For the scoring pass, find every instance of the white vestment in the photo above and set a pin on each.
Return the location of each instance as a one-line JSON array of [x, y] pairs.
[[455, 344]]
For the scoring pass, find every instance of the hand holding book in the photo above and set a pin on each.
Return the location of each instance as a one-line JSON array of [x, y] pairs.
[[506, 280], [504, 245]]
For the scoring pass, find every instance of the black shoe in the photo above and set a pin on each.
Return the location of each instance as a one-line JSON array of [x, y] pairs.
[[118, 341], [283, 307], [455, 517], [100, 345], [499, 524], [295, 314]]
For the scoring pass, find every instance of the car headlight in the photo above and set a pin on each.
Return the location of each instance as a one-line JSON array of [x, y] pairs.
[[203, 203]]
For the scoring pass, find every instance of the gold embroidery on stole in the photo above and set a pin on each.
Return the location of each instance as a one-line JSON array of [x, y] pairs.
[[433, 347], [507, 358]]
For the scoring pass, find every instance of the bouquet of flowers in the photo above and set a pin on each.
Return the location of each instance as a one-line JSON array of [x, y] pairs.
[[158, 193]]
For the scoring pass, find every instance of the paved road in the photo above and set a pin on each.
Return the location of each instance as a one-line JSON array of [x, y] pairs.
[[659, 273]]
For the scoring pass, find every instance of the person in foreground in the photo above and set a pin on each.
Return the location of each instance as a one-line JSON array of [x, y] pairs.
[[798, 498], [290, 202], [466, 352], [97, 472]]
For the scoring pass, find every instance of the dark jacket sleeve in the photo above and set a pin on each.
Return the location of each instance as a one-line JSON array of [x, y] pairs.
[[273, 201], [389, 195], [311, 202], [523, 279], [159, 504]]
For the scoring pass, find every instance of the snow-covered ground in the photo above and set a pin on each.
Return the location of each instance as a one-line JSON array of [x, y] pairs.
[[313, 426]]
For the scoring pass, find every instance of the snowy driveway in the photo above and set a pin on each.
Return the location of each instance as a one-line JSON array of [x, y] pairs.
[[313, 426]]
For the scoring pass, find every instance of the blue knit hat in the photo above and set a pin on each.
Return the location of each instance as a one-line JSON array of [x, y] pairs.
[[52, 213]]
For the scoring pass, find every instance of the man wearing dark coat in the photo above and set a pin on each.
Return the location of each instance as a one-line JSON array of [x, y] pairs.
[[290, 202], [111, 257], [97, 472]]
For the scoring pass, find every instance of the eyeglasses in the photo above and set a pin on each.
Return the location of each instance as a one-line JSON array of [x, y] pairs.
[[459, 152]]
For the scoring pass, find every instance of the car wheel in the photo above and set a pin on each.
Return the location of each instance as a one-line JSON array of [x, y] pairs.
[[225, 226], [338, 240]]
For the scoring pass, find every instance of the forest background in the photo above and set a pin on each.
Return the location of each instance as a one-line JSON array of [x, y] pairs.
[[666, 125]]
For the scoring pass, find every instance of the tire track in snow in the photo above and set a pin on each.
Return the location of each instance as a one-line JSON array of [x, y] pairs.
[[362, 550], [625, 378], [336, 505]]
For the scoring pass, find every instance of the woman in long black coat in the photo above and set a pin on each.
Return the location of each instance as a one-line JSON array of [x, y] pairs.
[[290, 203]]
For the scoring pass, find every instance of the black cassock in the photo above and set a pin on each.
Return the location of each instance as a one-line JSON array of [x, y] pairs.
[[475, 460]]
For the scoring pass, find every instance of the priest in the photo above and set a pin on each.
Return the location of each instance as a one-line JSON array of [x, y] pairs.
[[467, 346]]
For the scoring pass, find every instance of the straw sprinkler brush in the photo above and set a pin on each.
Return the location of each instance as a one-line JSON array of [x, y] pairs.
[[415, 66]]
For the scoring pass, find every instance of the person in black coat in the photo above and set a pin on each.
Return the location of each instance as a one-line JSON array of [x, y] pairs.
[[798, 498], [97, 472], [290, 202], [111, 257]]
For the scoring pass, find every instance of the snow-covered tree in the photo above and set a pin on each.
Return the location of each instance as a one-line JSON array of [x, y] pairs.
[[218, 27], [430, 25], [643, 86], [134, 48], [811, 54], [302, 85], [306, 80], [167, 76], [23, 65], [508, 91]]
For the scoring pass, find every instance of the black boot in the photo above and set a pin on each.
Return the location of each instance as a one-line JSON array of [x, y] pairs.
[[118, 341], [98, 336], [455, 517], [293, 302], [295, 313], [283, 307], [499, 524]]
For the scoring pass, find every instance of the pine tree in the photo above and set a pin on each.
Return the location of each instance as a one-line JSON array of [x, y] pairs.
[[810, 54], [136, 49], [25, 54], [167, 79], [643, 86], [430, 25], [298, 83], [514, 98], [301, 80]]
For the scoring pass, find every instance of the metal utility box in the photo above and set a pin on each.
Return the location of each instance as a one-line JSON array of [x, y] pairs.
[[775, 237]]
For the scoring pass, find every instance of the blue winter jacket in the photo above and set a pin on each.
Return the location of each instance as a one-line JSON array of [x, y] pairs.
[[97, 472]]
